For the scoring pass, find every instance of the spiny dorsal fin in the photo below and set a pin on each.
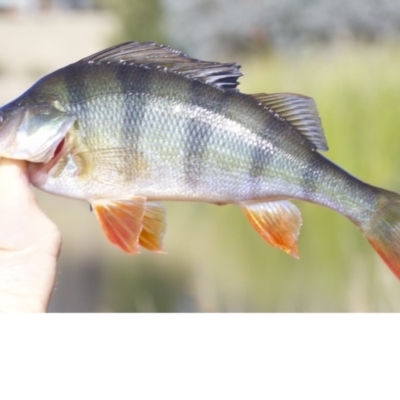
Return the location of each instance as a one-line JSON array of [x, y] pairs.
[[300, 111], [154, 56]]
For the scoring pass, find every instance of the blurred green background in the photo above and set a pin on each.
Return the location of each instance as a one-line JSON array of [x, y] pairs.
[[346, 55]]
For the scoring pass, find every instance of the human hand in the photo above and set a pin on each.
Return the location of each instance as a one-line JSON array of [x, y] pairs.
[[29, 244]]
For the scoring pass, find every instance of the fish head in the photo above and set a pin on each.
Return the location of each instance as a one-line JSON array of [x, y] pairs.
[[32, 133]]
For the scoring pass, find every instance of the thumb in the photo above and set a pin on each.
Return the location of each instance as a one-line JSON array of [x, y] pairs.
[[29, 243], [16, 203]]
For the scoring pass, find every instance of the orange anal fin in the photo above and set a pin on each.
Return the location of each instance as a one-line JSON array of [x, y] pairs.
[[122, 221], [153, 228], [277, 222]]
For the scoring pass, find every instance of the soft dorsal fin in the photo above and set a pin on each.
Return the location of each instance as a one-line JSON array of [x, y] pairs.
[[300, 111], [154, 56]]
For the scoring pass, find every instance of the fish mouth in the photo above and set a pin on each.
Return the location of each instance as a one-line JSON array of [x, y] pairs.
[[59, 151], [38, 172]]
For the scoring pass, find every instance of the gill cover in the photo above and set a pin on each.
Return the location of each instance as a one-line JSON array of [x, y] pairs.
[[32, 133]]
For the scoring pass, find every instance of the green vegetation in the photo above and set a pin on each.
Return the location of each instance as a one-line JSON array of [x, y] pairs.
[[139, 20]]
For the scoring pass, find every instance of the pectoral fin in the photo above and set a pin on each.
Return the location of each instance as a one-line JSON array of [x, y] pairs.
[[277, 222], [130, 223], [122, 221]]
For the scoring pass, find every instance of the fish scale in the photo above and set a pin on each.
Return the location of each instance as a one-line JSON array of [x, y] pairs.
[[140, 123]]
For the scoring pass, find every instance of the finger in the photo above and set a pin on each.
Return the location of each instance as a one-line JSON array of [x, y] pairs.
[[13, 181]]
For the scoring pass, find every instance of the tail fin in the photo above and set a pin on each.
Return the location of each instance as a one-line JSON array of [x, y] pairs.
[[383, 230]]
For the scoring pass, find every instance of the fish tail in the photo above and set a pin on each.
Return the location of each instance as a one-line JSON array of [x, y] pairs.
[[383, 229]]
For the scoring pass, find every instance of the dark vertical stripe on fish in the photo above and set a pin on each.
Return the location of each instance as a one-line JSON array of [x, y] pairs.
[[258, 166], [309, 181], [261, 157], [197, 134], [74, 79], [263, 153], [132, 115], [197, 138], [217, 101], [259, 161], [74, 84]]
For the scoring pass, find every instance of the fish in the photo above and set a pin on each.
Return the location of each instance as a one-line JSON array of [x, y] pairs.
[[138, 124]]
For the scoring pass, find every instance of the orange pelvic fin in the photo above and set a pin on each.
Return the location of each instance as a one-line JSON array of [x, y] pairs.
[[153, 228], [122, 221], [277, 222]]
